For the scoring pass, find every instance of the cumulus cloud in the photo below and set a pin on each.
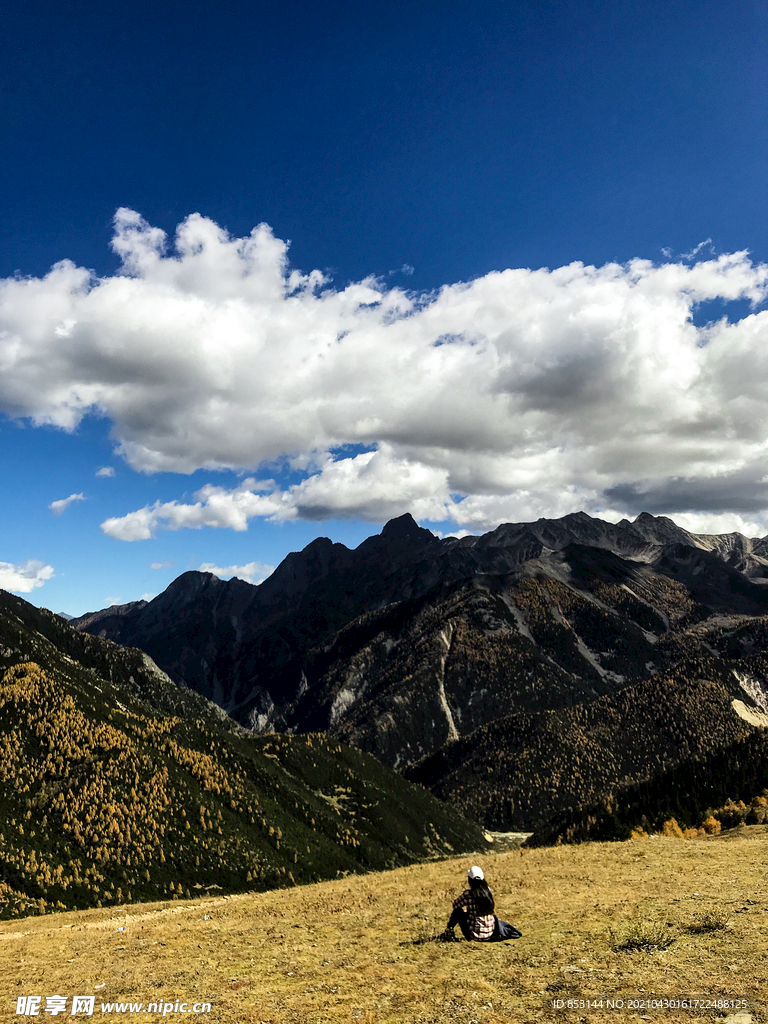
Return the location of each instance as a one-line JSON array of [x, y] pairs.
[[161, 565], [252, 572], [705, 522], [57, 507], [215, 506], [105, 471], [21, 579], [522, 393]]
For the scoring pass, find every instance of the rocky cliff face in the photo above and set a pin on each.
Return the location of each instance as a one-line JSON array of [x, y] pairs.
[[410, 643]]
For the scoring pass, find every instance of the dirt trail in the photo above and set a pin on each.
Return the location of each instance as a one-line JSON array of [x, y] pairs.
[[123, 918]]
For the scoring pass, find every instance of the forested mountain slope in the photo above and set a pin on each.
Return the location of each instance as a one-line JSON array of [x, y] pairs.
[[116, 786]]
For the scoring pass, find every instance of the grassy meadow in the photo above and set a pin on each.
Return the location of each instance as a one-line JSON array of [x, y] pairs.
[[661, 915]]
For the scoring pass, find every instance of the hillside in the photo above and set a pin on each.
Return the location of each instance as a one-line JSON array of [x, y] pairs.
[[525, 770], [485, 666], [654, 916], [107, 799], [728, 783], [35, 634]]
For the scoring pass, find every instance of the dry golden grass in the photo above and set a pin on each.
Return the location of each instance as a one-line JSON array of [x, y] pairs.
[[362, 950]]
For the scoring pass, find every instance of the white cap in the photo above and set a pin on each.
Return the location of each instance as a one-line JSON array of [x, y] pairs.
[[475, 874]]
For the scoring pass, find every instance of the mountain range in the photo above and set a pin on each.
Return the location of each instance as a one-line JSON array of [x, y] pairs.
[[533, 669]]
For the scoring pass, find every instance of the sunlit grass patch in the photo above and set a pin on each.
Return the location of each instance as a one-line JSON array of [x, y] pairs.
[[428, 930], [714, 919], [646, 931]]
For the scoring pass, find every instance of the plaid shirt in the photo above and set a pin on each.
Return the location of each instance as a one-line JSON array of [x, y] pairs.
[[481, 925]]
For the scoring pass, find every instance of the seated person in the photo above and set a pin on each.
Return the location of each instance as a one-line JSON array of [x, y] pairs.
[[473, 912]]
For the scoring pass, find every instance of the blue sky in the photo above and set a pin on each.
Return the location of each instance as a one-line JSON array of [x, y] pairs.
[[511, 264]]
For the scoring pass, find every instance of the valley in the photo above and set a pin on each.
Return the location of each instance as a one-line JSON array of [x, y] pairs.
[[520, 675]]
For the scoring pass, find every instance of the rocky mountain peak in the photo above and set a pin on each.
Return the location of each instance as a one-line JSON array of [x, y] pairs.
[[405, 527], [187, 587], [300, 569]]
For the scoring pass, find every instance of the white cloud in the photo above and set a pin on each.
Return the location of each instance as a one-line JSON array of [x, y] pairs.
[[706, 244], [215, 506], [523, 393], [105, 471], [147, 597], [21, 579], [57, 507], [728, 523], [161, 565], [253, 572]]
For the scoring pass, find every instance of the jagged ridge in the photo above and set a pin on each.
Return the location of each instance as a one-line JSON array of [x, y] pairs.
[[408, 642]]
